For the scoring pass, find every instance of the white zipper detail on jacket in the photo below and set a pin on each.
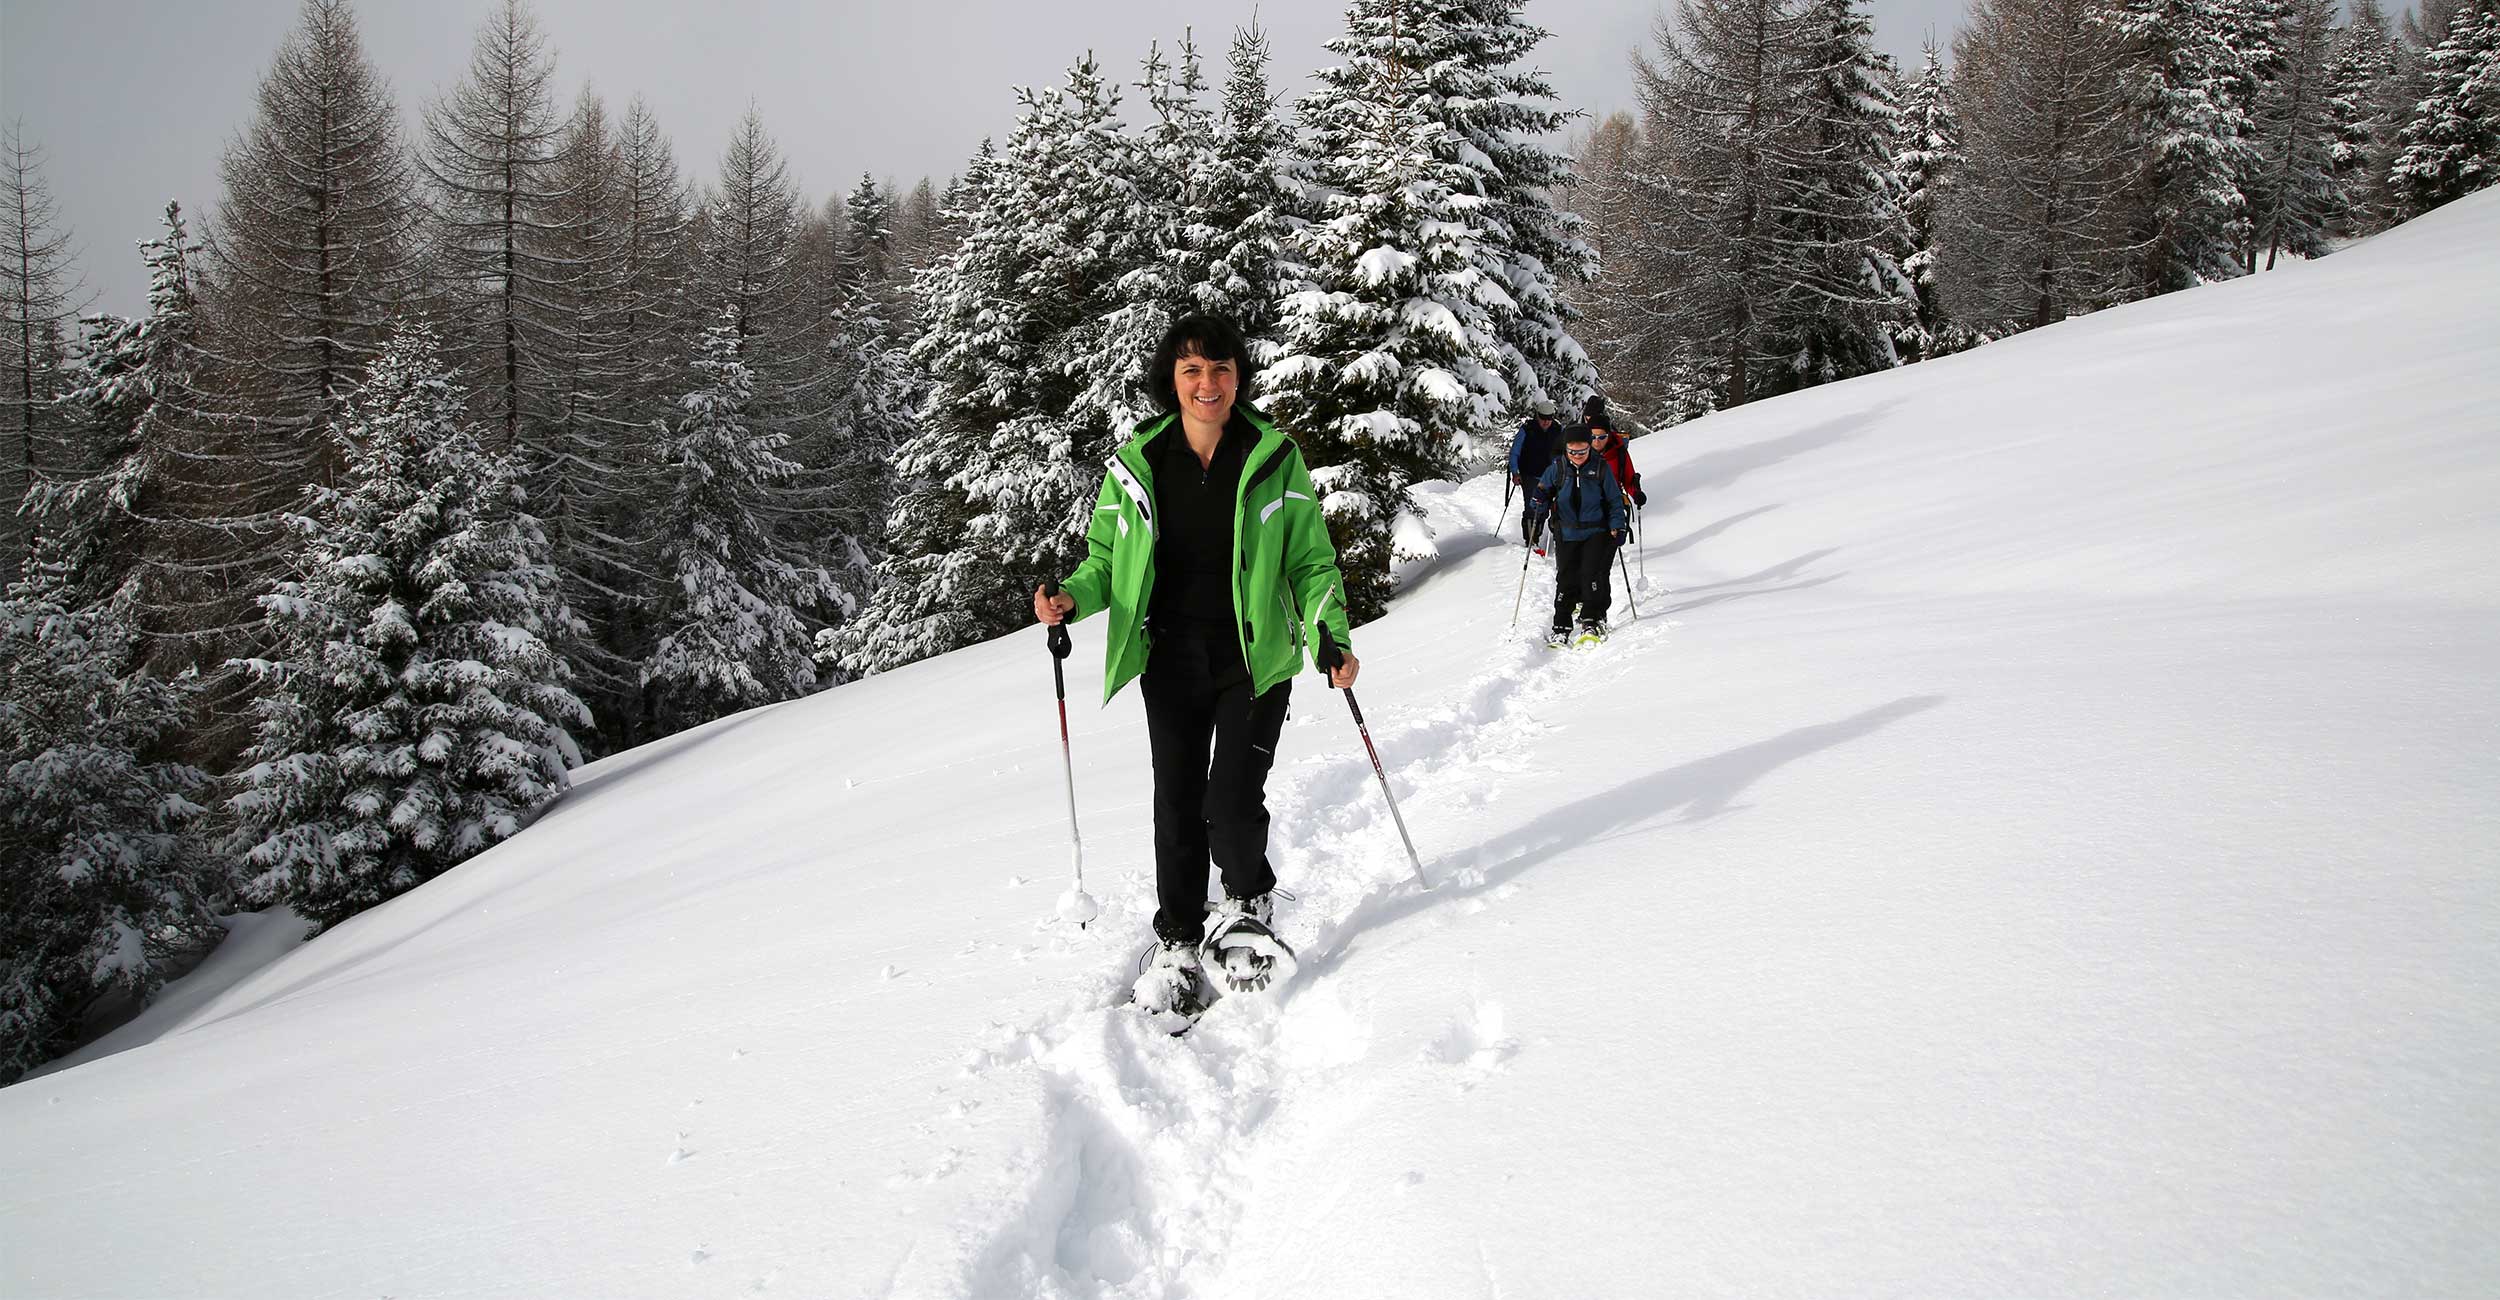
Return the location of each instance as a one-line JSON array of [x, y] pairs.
[[1136, 492]]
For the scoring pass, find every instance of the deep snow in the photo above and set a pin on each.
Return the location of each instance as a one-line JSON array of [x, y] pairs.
[[2038, 838]]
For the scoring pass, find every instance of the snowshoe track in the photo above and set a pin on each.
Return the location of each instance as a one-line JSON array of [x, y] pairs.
[[1152, 1139]]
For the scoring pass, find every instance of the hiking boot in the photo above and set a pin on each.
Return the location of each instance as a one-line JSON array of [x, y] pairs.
[[1172, 980]]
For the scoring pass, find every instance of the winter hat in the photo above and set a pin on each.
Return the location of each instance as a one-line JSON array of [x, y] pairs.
[[1542, 406], [1575, 434]]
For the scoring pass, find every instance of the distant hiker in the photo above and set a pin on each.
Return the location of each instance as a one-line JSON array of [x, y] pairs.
[[1188, 491], [1586, 503], [1531, 451], [1593, 411], [1607, 446]]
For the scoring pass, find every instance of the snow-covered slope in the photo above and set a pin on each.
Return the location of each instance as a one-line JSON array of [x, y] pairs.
[[2040, 837]]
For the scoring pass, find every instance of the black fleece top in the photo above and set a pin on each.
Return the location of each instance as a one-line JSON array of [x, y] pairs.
[[1194, 551]]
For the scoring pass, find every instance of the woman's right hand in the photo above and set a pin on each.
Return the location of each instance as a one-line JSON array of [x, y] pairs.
[[1052, 609]]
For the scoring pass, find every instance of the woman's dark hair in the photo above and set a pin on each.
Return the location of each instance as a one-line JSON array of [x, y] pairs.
[[1212, 337]]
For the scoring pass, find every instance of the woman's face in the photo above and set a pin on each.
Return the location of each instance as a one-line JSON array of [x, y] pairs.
[[1598, 438], [1206, 388]]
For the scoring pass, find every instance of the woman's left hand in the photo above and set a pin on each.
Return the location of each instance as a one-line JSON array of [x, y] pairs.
[[1343, 675]]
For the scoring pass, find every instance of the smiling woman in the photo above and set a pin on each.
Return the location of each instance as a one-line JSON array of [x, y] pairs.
[[1209, 551]]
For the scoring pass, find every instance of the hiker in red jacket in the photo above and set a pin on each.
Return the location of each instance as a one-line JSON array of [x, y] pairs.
[[1618, 457]]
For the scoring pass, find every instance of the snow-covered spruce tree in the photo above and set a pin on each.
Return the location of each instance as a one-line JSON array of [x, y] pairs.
[[1245, 198], [1926, 158], [1169, 247], [415, 714], [2363, 114], [734, 605], [129, 533], [2186, 215], [868, 243], [40, 298], [1393, 365], [1488, 122], [921, 237], [1018, 419], [315, 250], [2451, 145], [1509, 113], [2294, 197], [102, 876], [1844, 226], [2033, 226], [148, 532]]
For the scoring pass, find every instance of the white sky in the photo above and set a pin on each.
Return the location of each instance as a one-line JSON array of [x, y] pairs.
[[134, 100]]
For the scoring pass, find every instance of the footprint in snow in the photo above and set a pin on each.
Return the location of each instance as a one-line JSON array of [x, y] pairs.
[[1475, 1043]]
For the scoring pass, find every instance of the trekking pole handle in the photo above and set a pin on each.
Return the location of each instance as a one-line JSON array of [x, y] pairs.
[[1329, 657], [1059, 643]]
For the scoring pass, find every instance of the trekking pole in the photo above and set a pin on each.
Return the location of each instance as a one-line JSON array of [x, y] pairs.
[[1075, 905], [1627, 585], [1329, 658], [1527, 552], [1640, 538], [1508, 483]]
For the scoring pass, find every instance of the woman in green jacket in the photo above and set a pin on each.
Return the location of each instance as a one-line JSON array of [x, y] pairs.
[[1209, 552]]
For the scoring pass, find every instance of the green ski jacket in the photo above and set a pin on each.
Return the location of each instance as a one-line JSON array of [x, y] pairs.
[[1285, 580]]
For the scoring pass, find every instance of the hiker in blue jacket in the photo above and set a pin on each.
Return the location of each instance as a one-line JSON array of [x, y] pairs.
[[1530, 453], [1586, 505]]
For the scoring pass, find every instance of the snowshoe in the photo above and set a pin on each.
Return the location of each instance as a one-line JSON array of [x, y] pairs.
[[1171, 987], [1242, 953], [1591, 633], [1557, 639]]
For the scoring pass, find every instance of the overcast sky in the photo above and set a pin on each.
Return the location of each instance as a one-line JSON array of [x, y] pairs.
[[134, 100]]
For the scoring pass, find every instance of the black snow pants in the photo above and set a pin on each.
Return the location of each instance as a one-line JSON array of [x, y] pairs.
[[1213, 742], [1582, 577]]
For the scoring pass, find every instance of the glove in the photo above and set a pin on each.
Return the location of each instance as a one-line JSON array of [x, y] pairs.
[[1620, 535], [1639, 498]]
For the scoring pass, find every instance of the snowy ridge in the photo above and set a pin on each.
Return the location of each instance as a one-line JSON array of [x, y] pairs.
[[2037, 840]]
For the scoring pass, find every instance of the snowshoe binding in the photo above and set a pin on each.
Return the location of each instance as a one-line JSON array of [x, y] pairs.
[[1592, 632], [1242, 953], [1557, 639]]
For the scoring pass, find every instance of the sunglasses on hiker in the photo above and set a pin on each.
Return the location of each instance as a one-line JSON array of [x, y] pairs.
[[1576, 451]]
